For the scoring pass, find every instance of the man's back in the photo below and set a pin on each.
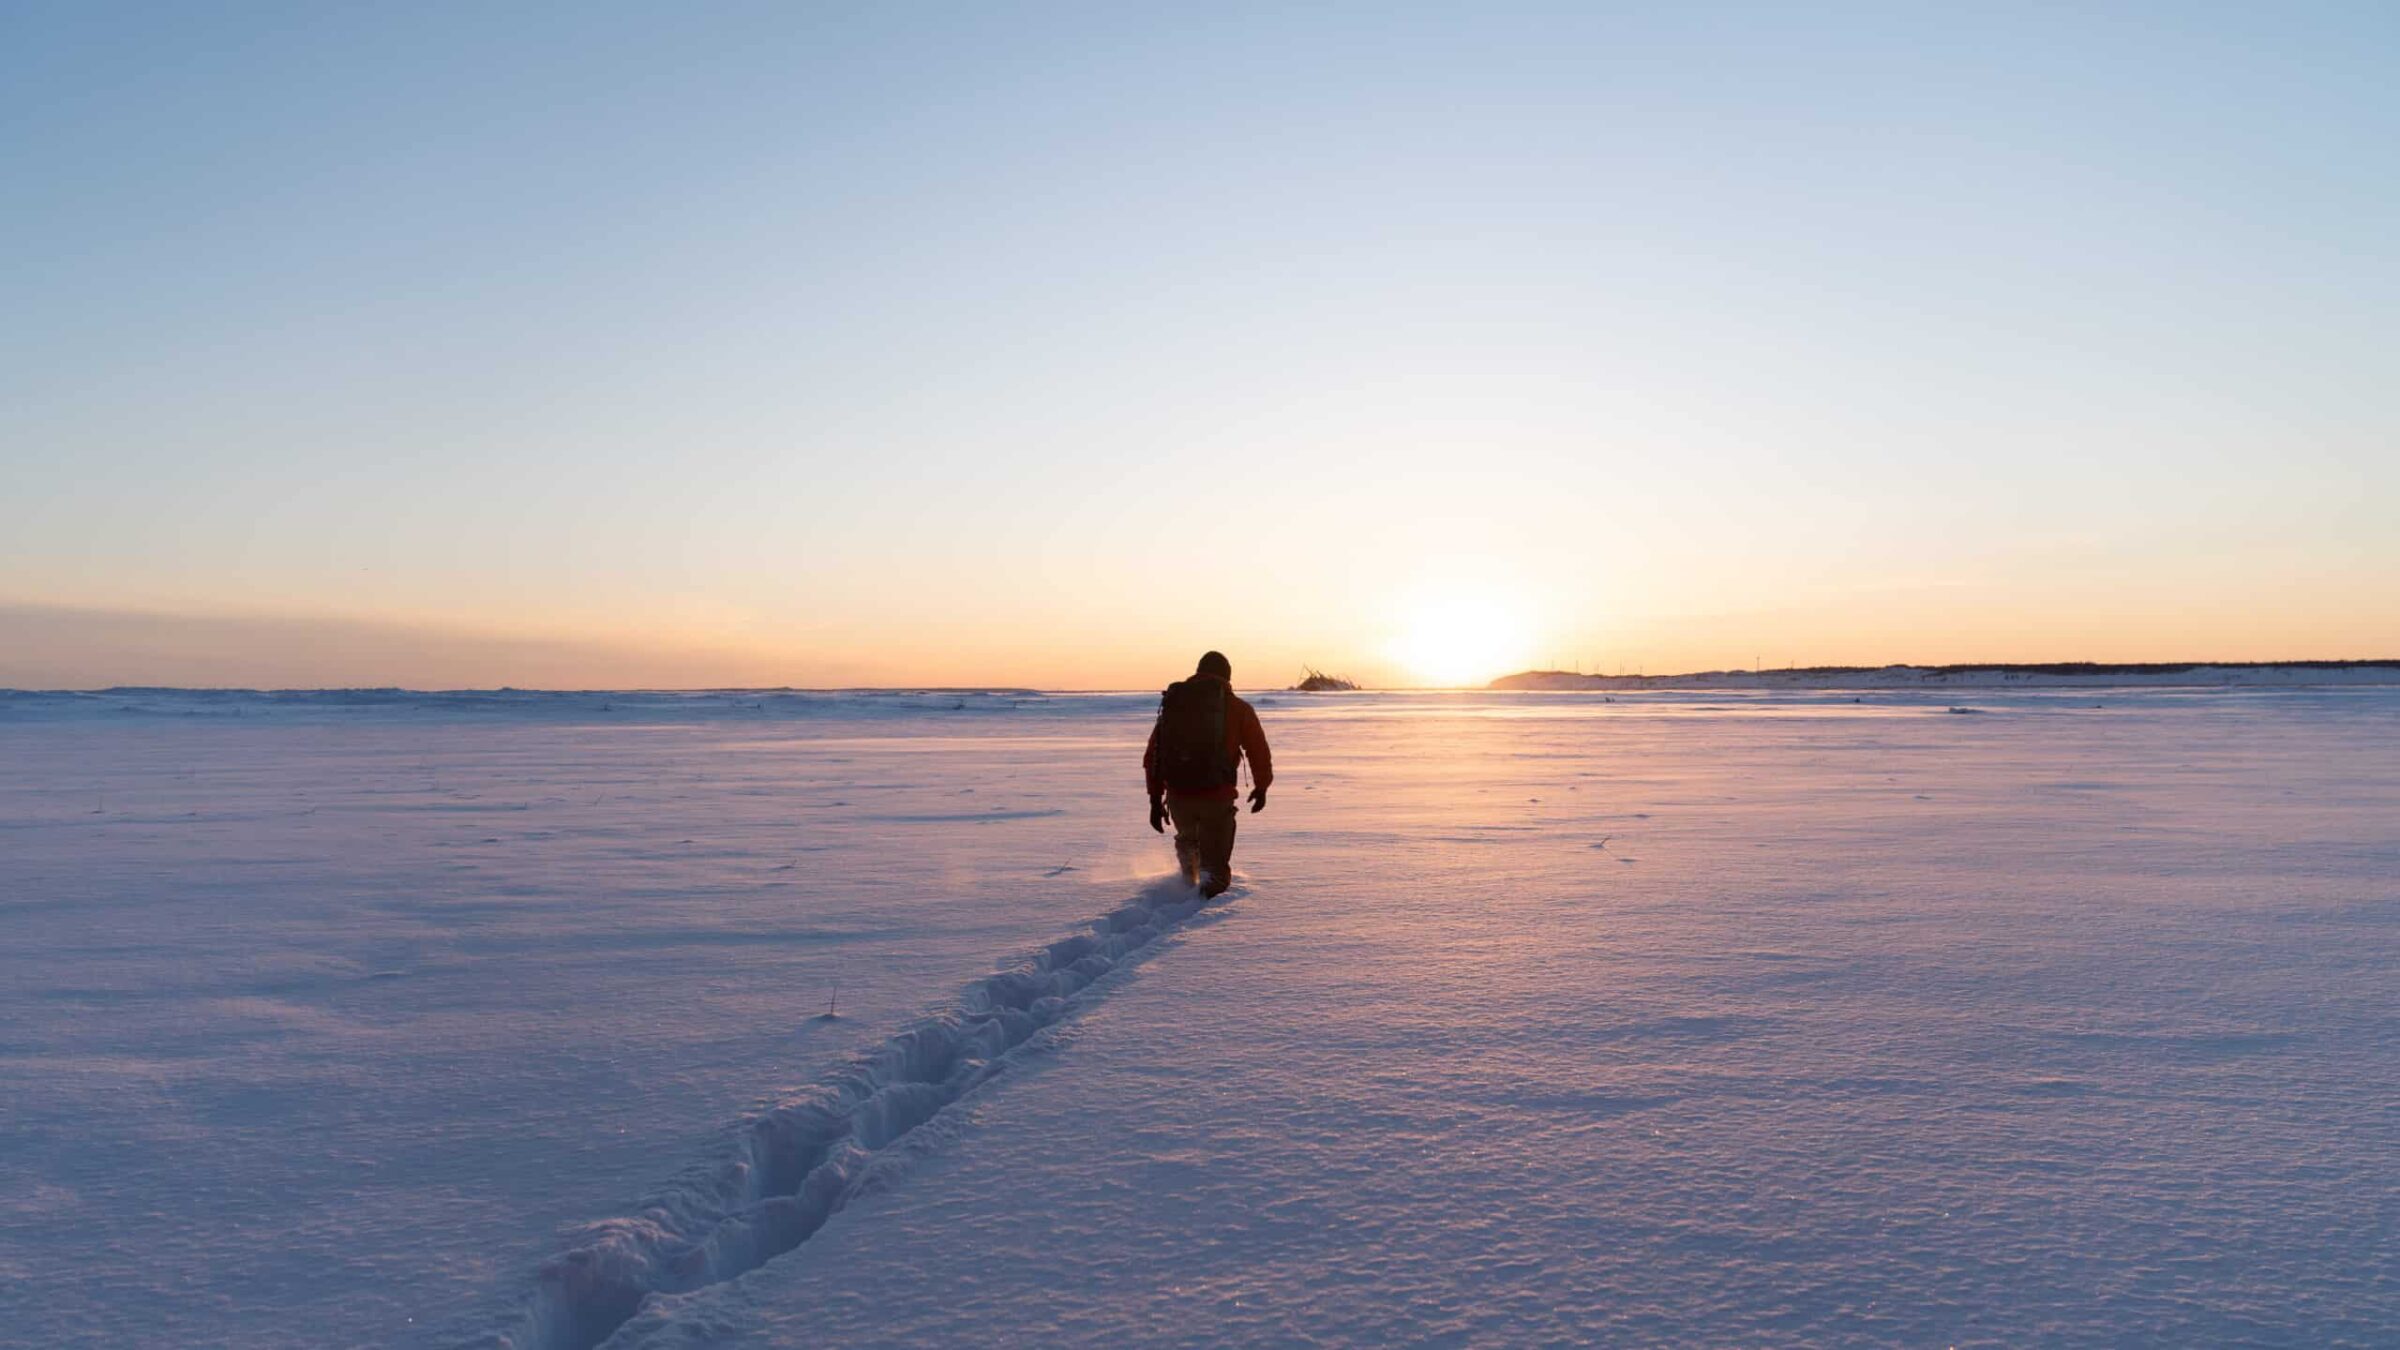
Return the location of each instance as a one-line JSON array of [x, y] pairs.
[[1166, 764]]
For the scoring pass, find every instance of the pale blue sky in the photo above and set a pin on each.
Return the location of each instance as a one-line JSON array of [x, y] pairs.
[[1039, 344]]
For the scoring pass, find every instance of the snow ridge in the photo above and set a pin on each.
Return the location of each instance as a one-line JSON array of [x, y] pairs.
[[799, 1163]]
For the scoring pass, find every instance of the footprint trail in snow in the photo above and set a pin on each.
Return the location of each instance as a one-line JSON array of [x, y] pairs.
[[800, 1163]]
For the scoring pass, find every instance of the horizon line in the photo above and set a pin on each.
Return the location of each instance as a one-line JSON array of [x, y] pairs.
[[1490, 686]]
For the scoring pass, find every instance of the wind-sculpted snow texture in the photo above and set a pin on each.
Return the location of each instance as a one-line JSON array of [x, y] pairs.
[[802, 1161], [1702, 1017], [324, 1016]]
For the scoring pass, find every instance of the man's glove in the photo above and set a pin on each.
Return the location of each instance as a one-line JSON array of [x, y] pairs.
[[1158, 814], [1258, 800]]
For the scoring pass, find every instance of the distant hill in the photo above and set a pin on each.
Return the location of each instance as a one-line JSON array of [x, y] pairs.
[[2053, 673]]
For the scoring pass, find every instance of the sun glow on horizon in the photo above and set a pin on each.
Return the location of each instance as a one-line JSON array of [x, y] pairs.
[[1461, 638]]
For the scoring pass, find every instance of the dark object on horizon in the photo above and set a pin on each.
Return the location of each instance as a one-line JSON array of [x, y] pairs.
[[1318, 682]]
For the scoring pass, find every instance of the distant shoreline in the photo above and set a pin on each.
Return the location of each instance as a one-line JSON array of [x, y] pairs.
[[2050, 674]]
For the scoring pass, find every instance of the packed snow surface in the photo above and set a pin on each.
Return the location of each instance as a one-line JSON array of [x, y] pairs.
[[379, 1018]]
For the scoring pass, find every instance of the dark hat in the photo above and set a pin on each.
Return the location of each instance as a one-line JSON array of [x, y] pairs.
[[1214, 663]]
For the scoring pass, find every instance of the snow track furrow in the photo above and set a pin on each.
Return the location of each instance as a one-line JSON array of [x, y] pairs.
[[799, 1163]]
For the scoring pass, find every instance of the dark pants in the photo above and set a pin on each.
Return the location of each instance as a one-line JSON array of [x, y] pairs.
[[1204, 841]]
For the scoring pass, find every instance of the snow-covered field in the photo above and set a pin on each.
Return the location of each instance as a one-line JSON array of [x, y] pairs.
[[1678, 1019]]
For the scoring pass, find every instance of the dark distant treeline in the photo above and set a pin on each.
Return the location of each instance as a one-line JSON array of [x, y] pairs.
[[2075, 667], [1964, 668], [2149, 667]]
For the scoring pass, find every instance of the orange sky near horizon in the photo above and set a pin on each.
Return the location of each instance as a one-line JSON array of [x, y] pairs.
[[67, 647]]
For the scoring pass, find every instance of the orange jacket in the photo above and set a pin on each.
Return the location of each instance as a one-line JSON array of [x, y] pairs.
[[1244, 737]]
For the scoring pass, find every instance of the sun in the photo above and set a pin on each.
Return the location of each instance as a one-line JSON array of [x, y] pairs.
[[1457, 640]]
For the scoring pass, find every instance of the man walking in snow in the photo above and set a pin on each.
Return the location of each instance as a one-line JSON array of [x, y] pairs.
[[1192, 767]]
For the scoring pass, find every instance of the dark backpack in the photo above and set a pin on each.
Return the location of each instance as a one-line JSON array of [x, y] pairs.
[[1192, 754]]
